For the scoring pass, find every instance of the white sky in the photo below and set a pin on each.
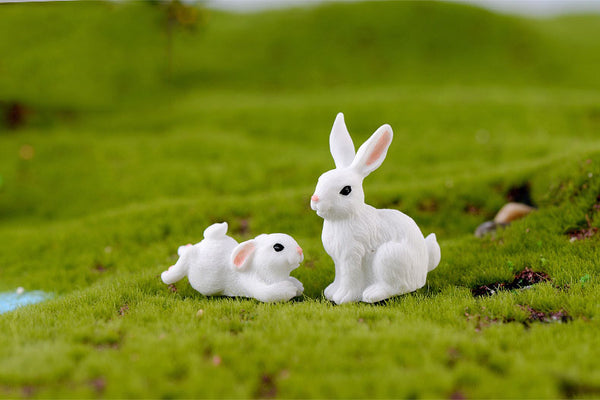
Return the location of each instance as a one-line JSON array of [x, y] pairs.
[[523, 7], [536, 8]]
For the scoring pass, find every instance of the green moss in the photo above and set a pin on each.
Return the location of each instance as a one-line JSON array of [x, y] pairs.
[[125, 164]]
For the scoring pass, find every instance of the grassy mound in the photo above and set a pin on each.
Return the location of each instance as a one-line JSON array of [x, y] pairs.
[[110, 159]]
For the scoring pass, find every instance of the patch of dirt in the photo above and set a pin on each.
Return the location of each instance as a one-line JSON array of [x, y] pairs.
[[394, 203], [241, 226], [546, 317], [108, 346], [28, 391], [310, 264], [453, 356], [124, 310], [522, 280], [572, 389], [482, 321], [582, 234], [458, 395], [560, 316], [428, 205], [472, 209], [98, 384], [267, 388], [98, 267], [589, 230], [15, 114], [520, 194]]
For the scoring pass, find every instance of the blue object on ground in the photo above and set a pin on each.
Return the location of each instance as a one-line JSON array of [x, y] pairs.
[[12, 300]]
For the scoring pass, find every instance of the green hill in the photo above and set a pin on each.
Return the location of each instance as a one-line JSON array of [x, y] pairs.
[[113, 153], [97, 53]]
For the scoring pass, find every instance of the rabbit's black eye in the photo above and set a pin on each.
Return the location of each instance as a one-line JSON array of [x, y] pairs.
[[346, 190], [278, 247]]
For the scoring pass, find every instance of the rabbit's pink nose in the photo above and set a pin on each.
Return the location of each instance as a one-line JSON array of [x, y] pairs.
[[314, 197], [299, 250]]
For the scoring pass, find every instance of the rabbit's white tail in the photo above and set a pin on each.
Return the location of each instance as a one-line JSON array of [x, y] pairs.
[[183, 249], [433, 251], [216, 231]]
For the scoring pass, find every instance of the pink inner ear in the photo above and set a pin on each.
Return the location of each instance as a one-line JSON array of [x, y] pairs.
[[380, 147], [243, 255]]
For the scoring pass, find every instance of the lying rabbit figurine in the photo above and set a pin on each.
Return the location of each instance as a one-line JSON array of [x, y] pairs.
[[377, 253], [258, 268]]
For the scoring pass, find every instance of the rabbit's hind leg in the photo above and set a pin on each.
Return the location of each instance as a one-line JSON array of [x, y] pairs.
[[175, 272], [395, 272]]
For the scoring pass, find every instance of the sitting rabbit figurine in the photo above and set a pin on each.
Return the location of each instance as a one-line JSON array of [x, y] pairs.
[[258, 268], [377, 253]]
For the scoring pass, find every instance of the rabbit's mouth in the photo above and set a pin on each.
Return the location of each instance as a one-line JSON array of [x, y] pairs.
[[296, 263], [323, 210], [321, 213], [315, 207]]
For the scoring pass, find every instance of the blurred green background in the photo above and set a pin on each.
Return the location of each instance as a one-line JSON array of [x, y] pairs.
[[143, 100], [126, 128]]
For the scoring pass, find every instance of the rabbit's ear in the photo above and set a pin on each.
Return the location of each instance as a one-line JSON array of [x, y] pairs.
[[242, 254], [340, 143], [372, 153]]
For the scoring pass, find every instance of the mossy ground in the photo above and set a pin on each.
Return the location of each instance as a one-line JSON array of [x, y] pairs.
[[115, 164]]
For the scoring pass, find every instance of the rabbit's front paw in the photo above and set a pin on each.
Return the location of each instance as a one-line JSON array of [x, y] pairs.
[[287, 290], [299, 286], [346, 295], [330, 291], [281, 291]]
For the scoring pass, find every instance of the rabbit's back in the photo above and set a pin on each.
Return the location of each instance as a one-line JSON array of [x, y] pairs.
[[210, 270], [367, 230], [397, 226]]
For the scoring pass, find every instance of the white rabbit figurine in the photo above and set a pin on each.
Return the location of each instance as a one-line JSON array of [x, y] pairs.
[[258, 268], [377, 253]]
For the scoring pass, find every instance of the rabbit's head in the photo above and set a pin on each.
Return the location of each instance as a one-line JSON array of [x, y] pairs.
[[339, 192], [272, 256]]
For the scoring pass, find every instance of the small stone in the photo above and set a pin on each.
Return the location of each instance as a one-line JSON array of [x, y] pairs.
[[482, 136], [200, 313], [26, 152], [20, 290], [124, 309], [486, 228], [512, 211], [284, 374]]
